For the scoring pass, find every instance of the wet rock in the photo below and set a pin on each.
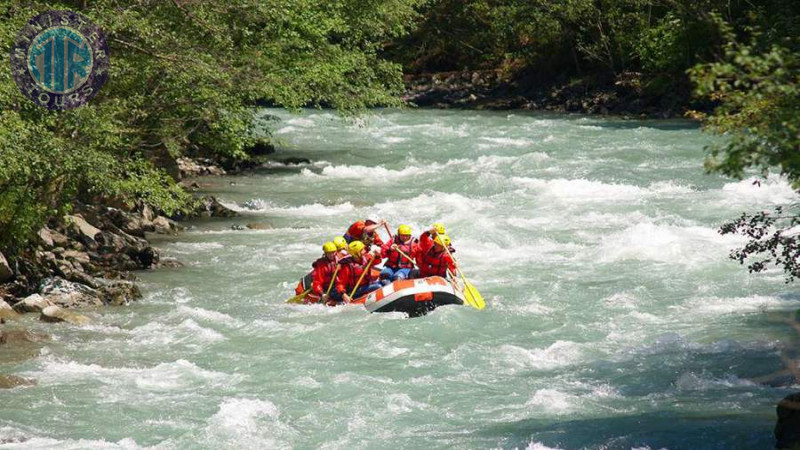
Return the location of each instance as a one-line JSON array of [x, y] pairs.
[[294, 161], [189, 167], [209, 206], [9, 337], [238, 227], [68, 294], [787, 430], [32, 304], [5, 270], [259, 226], [12, 381], [165, 226], [170, 263], [6, 312], [121, 293], [55, 314]]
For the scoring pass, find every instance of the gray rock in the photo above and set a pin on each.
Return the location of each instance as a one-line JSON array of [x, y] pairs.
[[46, 237], [9, 337], [85, 228], [259, 226], [32, 304], [68, 294], [54, 314], [164, 225], [5, 270], [6, 312], [787, 429], [73, 255], [120, 293]]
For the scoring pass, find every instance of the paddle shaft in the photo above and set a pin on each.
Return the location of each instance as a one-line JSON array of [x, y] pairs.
[[366, 269], [406, 256], [333, 279]]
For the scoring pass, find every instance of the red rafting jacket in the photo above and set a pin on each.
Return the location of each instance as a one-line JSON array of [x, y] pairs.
[[322, 273], [426, 242], [396, 260], [432, 264], [349, 273], [356, 233]]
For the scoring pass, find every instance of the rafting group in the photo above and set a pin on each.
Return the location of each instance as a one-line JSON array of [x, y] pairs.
[[418, 273]]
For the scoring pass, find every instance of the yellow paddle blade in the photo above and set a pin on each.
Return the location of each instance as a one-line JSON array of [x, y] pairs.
[[473, 297], [299, 297]]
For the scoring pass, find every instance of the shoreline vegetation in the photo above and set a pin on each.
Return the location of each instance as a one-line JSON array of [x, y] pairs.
[[80, 190]]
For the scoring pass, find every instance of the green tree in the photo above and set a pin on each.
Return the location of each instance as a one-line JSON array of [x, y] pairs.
[[185, 76]]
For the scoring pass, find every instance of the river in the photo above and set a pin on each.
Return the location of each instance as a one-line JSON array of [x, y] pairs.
[[614, 318]]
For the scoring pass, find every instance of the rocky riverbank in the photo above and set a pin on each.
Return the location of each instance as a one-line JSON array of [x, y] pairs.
[[623, 95], [86, 259]]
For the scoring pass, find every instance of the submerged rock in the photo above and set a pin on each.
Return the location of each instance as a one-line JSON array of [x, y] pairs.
[[787, 430], [8, 337], [12, 381], [120, 293], [54, 314]]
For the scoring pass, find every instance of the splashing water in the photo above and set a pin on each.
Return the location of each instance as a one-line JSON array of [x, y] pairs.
[[614, 318]]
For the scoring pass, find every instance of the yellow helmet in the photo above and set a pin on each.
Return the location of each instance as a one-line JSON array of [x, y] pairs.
[[340, 242], [328, 247], [442, 239], [355, 248], [404, 230], [439, 227]]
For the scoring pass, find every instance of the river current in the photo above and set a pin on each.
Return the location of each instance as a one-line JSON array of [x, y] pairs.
[[614, 318]]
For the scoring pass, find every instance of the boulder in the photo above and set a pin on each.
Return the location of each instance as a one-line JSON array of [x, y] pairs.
[[68, 294], [259, 226], [74, 255], [6, 312], [12, 381], [54, 314], [82, 226], [32, 304], [5, 270], [165, 226], [120, 293], [209, 206], [170, 263], [787, 429], [46, 237]]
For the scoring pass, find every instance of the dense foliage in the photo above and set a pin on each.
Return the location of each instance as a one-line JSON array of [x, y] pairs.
[[184, 76], [757, 87]]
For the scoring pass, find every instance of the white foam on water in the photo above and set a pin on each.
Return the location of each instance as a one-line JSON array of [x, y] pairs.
[[775, 190], [533, 445], [302, 122], [36, 443], [164, 377], [558, 354], [314, 209], [188, 332], [553, 401], [691, 381], [402, 403], [285, 130], [207, 315], [505, 142], [719, 306], [691, 246], [248, 423]]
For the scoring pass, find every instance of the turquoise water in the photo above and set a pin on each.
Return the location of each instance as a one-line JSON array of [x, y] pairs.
[[614, 318]]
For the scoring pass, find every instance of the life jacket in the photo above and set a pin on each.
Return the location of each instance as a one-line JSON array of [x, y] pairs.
[[322, 273], [350, 272], [433, 264], [356, 233], [395, 259]]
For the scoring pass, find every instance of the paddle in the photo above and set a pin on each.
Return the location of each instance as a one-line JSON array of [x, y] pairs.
[[366, 269], [406, 256], [471, 294], [299, 297]]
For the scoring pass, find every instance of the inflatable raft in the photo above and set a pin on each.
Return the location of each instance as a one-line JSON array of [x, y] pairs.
[[413, 297]]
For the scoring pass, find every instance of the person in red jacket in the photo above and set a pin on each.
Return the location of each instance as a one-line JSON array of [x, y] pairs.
[[434, 261], [323, 271], [351, 269], [398, 267], [426, 238], [365, 231]]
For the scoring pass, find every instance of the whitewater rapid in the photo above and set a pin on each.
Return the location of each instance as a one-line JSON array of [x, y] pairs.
[[614, 317]]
